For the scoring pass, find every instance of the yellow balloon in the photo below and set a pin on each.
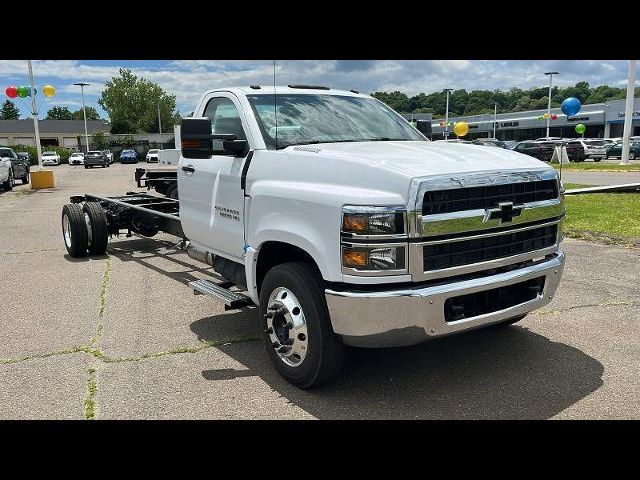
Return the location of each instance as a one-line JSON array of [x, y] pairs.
[[461, 129], [48, 91], [546, 115]]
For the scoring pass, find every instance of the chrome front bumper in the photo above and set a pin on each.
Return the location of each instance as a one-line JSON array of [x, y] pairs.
[[398, 317]]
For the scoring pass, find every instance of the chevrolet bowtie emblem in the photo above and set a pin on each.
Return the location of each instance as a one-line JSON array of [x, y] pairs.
[[505, 211]]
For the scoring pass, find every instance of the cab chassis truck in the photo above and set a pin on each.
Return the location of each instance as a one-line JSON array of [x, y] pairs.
[[343, 224]]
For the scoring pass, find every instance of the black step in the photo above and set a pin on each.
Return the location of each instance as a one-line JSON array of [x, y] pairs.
[[231, 299]]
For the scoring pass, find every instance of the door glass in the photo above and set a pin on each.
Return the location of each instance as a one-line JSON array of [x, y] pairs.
[[224, 120]]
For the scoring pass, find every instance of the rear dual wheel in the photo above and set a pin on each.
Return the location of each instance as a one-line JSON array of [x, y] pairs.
[[84, 228]]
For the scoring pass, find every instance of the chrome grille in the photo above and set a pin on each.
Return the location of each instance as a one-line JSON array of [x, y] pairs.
[[471, 198], [454, 254]]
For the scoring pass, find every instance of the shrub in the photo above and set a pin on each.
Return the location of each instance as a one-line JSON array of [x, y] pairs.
[[64, 153]]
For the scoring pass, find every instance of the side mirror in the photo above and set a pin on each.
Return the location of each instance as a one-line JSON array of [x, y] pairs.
[[195, 137], [424, 127], [239, 148]]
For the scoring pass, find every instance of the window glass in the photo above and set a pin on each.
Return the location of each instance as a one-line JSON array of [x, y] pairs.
[[224, 118]]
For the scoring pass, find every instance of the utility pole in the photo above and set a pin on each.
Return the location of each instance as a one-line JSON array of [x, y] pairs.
[[628, 112], [551, 74], [159, 120], [446, 115], [84, 111], [35, 115], [495, 118]]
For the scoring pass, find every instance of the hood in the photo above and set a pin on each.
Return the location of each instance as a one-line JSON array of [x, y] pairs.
[[417, 159]]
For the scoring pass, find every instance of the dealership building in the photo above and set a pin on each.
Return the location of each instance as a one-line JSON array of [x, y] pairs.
[[602, 120], [53, 133]]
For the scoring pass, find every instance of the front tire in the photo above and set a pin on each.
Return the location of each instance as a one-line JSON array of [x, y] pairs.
[[297, 329], [632, 155], [97, 229], [8, 185], [25, 179], [74, 230]]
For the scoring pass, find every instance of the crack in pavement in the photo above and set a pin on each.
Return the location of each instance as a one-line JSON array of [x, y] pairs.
[[90, 401], [574, 307], [32, 251]]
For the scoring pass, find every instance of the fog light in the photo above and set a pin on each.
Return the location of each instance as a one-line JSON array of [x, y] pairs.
[[354, 258]]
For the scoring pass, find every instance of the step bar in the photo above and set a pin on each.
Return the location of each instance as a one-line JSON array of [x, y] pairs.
[[231, 300]]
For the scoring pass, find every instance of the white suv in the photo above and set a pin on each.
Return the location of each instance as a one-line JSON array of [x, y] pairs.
[[587, 148], [50, 158]]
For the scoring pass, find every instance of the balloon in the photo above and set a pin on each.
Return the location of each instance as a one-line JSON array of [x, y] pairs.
[[554, 116], [570, 106], [35, 91], [540, 117], [12, 92], [22, 91], [546, 115], [580, 128], [48, 91], [461, 129]]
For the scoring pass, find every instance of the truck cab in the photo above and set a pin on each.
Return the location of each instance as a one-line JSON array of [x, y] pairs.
[[347, 226]]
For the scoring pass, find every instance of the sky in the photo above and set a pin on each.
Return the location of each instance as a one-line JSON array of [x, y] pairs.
[[188, 79]]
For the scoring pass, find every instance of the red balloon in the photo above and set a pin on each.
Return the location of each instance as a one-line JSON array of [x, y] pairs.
[[554, 116], [12, 92]]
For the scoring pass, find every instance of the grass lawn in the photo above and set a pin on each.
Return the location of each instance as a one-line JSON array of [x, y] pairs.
[[599, 166], [608, 217]]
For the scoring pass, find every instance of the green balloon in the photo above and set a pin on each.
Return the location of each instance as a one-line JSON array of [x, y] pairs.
[[580, 128], [23, 91]]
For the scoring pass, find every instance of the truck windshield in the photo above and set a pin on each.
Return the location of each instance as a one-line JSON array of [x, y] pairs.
[[308, 119]]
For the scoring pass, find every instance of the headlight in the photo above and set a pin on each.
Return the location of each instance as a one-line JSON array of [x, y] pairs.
[[376, 221], [374, 257]]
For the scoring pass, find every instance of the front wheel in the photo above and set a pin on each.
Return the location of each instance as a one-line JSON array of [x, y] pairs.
[[8, 185], [25, 179], [632, 155], [297, 329]]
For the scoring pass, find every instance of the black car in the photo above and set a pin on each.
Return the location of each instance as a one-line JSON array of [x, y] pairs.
[[540, 150], [95, 158], [490, 142], [19, 164]]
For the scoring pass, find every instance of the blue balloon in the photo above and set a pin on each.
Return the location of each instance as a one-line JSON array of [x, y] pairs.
[[35, 90], [570, 106]]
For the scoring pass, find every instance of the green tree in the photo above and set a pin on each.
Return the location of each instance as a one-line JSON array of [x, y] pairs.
[[92, 114], [99, 140], [132, 104], [60, 113], [9, 111]]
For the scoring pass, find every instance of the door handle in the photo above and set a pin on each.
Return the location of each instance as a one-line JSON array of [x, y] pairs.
[[188, 169]]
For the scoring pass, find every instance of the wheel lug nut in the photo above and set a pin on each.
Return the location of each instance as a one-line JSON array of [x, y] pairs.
[[289, 325]]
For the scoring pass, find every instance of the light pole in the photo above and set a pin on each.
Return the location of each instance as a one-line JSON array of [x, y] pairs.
[[159, 121], [551, 74], [628, 112], [36, 130], [495, 118], [84, 111], [446, 115]]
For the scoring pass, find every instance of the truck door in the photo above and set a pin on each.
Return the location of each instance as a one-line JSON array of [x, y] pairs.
[[211, 200]]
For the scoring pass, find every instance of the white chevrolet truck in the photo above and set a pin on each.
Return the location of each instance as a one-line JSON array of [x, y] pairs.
[[343, 224]]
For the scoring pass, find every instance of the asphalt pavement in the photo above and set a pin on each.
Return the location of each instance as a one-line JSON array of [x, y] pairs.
[[121, 336]]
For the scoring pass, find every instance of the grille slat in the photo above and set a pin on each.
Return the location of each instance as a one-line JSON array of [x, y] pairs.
[[455, 254], [472, 198]]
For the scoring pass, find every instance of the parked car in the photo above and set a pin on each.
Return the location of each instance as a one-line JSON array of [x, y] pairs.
[[76, 159], [19, 165], [548, 139], [50, 158], [454, 140], [25, 156], [538, 149], [578, 150], [510, 144], [490, 142], [152, 156], [128, 156], [109, 155], [616, 150], [95, 158], [7, 178]]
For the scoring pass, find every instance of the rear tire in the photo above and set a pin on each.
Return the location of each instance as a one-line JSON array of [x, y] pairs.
[[25, 179], [322, 350], [632, 155], [97, 242], [74, 230]]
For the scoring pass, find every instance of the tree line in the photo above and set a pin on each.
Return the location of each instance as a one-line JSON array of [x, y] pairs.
[[479, 102]]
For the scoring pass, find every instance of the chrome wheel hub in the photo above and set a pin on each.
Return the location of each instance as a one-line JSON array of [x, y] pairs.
[[287, 327], [66, 230], [87, 220]]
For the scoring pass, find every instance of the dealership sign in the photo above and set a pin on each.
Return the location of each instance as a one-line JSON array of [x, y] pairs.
[[636, 113]]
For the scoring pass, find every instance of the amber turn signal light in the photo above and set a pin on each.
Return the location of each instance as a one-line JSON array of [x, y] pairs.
[[355, 223], [354, 258]]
